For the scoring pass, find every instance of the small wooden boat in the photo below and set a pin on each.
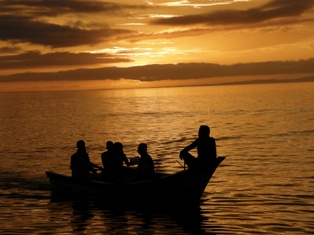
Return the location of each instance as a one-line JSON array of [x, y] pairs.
[[181, 186]]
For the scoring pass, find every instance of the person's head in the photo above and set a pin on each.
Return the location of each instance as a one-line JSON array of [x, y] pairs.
[[80, 145], [117, 147], [109, 145], [142, 148], [204, 131]]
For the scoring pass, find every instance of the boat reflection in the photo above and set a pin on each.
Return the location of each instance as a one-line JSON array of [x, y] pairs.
[[81, 214], [124, 219]]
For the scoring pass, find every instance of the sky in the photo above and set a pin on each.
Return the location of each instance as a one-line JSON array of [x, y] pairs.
[[95, 44]]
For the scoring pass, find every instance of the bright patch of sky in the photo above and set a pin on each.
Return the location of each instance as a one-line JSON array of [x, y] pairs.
[[196, 4]]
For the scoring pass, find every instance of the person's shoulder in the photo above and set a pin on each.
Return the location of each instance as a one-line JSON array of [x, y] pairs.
[[74, 154], [211, 141], [147, 156]]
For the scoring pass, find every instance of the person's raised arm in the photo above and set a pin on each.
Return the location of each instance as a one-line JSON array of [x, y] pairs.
[[188, 148], [126, 161], [191, 146]]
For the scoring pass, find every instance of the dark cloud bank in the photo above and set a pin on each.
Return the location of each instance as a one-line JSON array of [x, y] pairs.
[[35, 59], [276, 9], [170, 72], [19, 20]]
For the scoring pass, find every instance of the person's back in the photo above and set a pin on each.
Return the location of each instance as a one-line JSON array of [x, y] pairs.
[[119, 156], [145, 168], [116, 162], [206, 150], [80, 162], [107, 159]]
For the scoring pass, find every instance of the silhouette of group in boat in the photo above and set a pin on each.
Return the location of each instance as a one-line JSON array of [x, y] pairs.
[[114, 157], [143, 182]]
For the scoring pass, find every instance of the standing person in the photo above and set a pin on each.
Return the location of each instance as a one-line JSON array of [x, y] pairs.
[[206, 150], [80, 163], [145, 168]]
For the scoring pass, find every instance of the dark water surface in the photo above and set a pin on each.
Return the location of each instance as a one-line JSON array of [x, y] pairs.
[[264, 186]]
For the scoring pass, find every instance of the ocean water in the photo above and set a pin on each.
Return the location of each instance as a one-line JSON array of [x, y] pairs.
[[264, 186]]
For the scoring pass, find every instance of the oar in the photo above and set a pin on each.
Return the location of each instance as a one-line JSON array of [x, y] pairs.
[[98, 167], [181, 164]]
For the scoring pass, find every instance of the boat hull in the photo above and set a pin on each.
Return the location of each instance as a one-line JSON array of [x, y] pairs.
[[184, 185]]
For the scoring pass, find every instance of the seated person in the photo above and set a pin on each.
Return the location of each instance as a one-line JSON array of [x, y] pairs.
[[107, 158], [80, 163], [115, 167], [119, 155], [145, 168], [206, 150]]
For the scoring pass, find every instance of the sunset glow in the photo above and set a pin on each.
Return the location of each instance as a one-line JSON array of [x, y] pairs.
[[46, 44]]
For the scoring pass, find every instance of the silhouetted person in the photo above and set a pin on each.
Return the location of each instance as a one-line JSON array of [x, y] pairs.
[[119, 156], [206, 150], [115, 164], [106, 157], [80, 163], [145, 168]]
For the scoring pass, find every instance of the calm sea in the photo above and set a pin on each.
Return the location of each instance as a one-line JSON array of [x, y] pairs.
[[264, 186]]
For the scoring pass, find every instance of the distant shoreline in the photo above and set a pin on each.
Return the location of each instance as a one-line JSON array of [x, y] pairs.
[[269, 81], [252, 82]]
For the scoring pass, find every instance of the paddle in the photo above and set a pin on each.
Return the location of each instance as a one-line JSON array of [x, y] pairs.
[[98, 167], [181, 164]]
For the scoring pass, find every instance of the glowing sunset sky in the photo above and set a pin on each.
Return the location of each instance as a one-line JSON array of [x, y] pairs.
[[80, 44]]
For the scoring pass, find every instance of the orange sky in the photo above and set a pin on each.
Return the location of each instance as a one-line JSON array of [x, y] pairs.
[[51, 45]]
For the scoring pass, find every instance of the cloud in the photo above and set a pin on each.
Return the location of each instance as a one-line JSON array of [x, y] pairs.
[[37, 8], [275, 9], [33, 59], [41, 29], [41, 22], [23, 29], [9, 50], [197, 4], [161, 72]]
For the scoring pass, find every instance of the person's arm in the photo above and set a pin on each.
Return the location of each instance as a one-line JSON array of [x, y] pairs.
[[188, 148], [72, 162], [126, 161], [191, 146], [214, 148], [91, 165], [103, 159]]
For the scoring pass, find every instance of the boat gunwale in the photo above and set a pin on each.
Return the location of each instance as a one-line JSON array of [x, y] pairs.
[[127, 183]]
